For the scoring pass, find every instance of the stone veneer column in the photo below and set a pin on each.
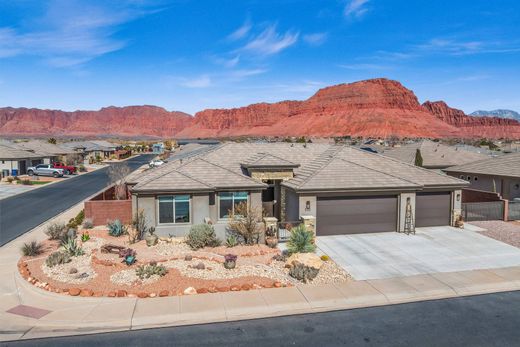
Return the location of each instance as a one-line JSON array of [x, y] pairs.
[[310, 223]]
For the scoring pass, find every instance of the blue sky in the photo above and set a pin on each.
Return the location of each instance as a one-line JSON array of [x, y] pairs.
[[191, 55]]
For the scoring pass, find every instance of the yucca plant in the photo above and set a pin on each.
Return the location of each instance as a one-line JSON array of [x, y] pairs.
[[116, 228], [301, 240], [72, 248], [32, 248]]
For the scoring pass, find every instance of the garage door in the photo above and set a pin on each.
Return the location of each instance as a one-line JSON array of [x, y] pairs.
[[355, 215], [432, 209]]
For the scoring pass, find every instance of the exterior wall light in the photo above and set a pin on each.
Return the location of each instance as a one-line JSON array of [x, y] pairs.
[[307, 205], [458, 197]]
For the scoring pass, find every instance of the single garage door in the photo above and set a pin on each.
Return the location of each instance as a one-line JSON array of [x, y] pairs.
[[432, 209], [355, 215]]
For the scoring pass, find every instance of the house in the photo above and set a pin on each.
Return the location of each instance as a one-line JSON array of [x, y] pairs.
[[56, 152], [93, 150], [498, 175], [336, 188], [433, 155], [158, 148], [15, 161]]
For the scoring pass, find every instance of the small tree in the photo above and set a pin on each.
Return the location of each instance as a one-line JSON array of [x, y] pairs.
[[117, 176], [418, 158], [52, 140], [244, 222], [140, 227]]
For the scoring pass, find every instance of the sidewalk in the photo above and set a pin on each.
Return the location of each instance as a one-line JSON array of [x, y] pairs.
[[76, 315]]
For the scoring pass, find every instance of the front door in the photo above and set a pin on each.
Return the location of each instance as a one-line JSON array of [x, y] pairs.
[[22, 167]]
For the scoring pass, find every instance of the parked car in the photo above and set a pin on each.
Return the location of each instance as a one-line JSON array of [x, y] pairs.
[[156, 162], [44, 170], [67, 169]]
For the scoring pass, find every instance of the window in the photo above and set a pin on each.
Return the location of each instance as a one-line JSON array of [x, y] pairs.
[[469, 178], [228, 201], [475, 178], [174, 209], [462, 177]]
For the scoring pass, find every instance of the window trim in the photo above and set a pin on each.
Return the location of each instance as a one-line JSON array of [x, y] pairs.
[[157, 204], [233, 202]]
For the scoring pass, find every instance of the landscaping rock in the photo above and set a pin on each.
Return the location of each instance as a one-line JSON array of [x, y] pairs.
[[277, 284], [73, 270], [112, 294], [306, 259], [86, 292], [188, 257], [202, 291], [223, 289], [234, 288], [121, 293], [142, 295], [200, 266], [245, 287], [74, 291], [153, 295], [164, 293], [212, 290], [190, 291]]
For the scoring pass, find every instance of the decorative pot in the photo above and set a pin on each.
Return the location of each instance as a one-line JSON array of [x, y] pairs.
[[151, 239], [230, 264], [271, 241]]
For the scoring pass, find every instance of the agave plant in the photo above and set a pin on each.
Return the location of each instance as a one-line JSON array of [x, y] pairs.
[[301, 240], [72, 248], [116, 228]]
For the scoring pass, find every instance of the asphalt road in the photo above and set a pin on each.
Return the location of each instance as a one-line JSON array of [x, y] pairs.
[[23, 212], [485, 320]]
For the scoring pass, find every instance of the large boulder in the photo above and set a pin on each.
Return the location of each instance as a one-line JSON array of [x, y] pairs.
[[305, 259]]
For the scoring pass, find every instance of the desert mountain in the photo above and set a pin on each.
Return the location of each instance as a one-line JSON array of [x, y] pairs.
[[501, 113], [376, 108]]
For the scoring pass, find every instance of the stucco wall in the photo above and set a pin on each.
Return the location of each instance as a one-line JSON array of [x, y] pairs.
[[292, 205], [303, 211], [483, 182]]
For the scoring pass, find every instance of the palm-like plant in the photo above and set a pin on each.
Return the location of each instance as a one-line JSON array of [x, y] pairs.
[[301, 240]]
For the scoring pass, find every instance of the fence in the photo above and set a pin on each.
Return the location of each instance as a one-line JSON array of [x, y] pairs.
[[477, 211], [514, 210]]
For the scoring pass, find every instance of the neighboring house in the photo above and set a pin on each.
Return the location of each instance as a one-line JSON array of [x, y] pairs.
[[343, 189], [498, 175], [91, 150], [433, 155], [58, 153], [15, 161], [158, 148]]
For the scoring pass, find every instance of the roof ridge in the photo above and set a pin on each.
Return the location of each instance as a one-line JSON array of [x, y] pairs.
[[233, 172]]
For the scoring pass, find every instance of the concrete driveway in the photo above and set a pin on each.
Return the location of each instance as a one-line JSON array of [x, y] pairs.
[[430, 250]]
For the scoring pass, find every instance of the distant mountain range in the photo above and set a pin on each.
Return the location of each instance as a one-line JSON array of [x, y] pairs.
[[508, 114], [372, 108]]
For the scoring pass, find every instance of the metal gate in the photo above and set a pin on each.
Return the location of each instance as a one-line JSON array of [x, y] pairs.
[[476, 211], [514, 210]]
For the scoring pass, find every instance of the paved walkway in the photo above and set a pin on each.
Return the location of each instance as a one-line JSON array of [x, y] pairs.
[[58, 315], [430, 250]]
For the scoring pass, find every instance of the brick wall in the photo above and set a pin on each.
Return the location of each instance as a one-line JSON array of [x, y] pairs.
[[101, 211], [473, 195]]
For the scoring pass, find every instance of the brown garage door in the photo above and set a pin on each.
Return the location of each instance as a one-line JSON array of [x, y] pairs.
[[432, 209], [355, 215]]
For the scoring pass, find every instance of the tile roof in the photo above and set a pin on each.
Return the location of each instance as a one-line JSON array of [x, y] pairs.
[[266, 160], [321, 167], [45, 147], [506, 165], [11, 153], [434, 154]]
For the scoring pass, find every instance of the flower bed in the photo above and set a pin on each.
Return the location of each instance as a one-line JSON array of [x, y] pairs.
[[168, 268]]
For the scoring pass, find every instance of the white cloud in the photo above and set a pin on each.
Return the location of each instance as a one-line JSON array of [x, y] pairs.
[[315, 39], [70, 33], [270, 42], [355, 8], [247, 72], [203, 81], [240, 32]]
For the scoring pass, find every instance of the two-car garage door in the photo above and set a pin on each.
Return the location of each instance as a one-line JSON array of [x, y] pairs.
[[354, 215]]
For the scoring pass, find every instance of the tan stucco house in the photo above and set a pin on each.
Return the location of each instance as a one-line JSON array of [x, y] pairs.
[[338, 188]]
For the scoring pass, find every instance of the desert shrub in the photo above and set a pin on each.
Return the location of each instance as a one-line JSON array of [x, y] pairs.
[[80, 217], [303, 273], [85, 236], [244, 222], [147, 271], [72, 224], [82, 168], [116, 228], [325, 257], [56, 231], [88, 223], [32, 248], [231, 241], [202, 235], [57, 258], [140, 226], [301, 240], [71, 247], [10, 179], [26, 182]]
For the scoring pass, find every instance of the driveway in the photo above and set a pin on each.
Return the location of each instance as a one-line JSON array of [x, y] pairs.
[[433, 249], [7, 190]]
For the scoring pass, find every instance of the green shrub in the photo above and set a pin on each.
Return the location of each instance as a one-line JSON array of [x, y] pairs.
[[56, 231], [82, 168], [147, 271], [88, 223], [10, 179], [301, 240], [202, 235], [85, 236], [231, 241], [26, 182], [303, 273], [116, 228], [79, 218], [72, 248], [57, 258], [32, 248], [72, 224]]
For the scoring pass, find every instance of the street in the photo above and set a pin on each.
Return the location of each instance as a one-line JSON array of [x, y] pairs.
[[484, 320]]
